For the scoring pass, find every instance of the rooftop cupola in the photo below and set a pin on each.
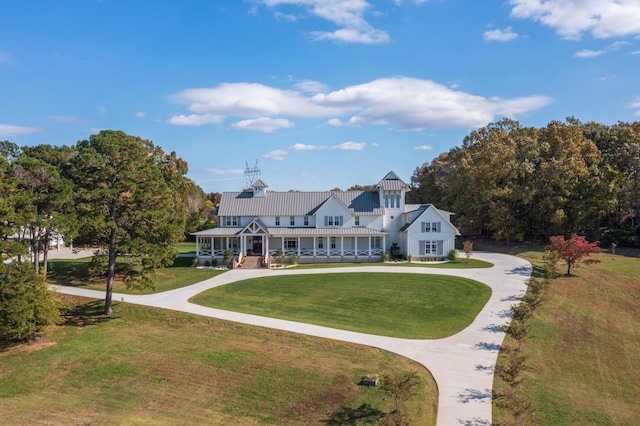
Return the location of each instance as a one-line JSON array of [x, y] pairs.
[[259, 188]]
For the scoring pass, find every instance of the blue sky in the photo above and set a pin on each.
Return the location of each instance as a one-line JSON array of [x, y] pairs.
[[321, 93]]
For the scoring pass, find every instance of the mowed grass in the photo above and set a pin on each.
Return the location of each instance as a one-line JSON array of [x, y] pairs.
[[415, 306], [74, 273], [454, 264], [584, 348], [147, 366]]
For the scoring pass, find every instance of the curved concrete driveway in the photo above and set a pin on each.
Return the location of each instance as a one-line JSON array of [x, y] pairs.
[[462, 365]]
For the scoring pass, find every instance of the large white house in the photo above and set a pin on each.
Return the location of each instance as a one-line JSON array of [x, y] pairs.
[[319, 227]]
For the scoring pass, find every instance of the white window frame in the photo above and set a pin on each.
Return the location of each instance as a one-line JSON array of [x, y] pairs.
[[356, 221], [376, 242], [306, 221], [231, 220], [320, 242], [292, 220], [277, 220], [291, 243]]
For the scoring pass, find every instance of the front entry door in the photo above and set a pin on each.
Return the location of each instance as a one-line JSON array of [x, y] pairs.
[[257, 245]]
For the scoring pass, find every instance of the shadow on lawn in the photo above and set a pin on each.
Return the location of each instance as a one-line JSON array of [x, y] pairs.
[[351, 416], [86, 314]]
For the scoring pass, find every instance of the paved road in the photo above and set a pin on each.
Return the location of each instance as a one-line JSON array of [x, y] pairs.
[[462, 365]]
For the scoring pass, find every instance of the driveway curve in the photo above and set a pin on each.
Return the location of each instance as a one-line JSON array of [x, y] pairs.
[[462, 365]]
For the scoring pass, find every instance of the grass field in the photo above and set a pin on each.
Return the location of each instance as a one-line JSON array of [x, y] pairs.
[[74, 273], [584, 348], [414, 306], [146, 366]]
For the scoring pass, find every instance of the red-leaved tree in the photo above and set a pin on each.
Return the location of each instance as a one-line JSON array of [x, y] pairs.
[[574, 250]]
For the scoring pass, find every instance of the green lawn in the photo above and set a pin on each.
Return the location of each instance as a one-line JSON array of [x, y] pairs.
[[181, 274], [186, 247], [456, 264], [147, 366], [584, 348], [415, 306]]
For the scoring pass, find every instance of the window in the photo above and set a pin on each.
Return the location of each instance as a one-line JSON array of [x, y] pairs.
[[277, 220], [431, 226], [292, 220], [333, 242], [431, 247], [291, 243], [376, 242], [231, 220], [332, 220], [392, 199], [306, 221], [320, 242], [357, 221]]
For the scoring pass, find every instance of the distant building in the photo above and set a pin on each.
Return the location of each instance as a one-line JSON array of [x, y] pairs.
[[320, 227]]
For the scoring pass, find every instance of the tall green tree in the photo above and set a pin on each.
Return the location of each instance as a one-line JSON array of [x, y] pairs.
[[130, 199]]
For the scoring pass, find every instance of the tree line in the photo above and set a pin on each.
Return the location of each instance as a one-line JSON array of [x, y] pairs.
[[118, 194], [520, 183]]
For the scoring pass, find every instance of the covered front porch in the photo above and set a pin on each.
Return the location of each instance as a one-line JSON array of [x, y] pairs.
[[308, 245]]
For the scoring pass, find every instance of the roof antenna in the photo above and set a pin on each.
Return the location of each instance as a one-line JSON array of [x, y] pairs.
[[251, 174]]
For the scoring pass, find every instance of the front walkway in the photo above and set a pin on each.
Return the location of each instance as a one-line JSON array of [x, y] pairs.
[[462, 365]]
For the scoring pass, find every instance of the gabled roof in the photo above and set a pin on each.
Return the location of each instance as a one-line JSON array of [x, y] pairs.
[[296, 203], [391, 182], [259, 184], [423, 208]]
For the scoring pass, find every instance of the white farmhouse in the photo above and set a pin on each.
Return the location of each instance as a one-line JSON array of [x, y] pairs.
[[321, 227]]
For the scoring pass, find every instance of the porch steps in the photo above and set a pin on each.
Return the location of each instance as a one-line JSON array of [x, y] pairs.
[[252, 262]]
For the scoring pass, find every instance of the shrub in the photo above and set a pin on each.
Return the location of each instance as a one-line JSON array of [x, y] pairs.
[[452, 255], [228, 258], [293, 259]]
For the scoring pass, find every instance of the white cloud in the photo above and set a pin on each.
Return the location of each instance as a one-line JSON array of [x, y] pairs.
[[348, 15], [141, 114], [423, 148], [311, 87], [303, 147], [572, 18], [263, 124], [636, 52], [195, 119], [500, 35], [586, 53], [617, 45], [636, 105], [278, 155], [225, 172], [400, 102], [350, 35], [410, 103], [350, 146], [8, 130], [284, 17]]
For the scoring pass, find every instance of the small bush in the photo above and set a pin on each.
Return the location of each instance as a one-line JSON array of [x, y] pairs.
[[293, 259], [452, 255]]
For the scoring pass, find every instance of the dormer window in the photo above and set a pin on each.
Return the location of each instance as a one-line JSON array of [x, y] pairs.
[[392, 199], [231, 220]]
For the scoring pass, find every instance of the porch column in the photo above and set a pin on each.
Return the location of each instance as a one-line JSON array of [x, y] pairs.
[[314, 246], [355, 246], [213, 240], [341, 246], [265, 239], [298, 247], [227, 248], [197, 245]]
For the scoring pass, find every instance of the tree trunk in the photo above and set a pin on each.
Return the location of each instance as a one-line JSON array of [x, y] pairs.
[[111, 271]]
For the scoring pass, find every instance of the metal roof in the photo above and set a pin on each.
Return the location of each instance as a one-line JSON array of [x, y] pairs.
[[295, 232], [295, 203]]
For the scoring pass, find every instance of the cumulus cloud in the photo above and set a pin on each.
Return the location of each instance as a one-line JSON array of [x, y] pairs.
[[263, 124], [572, 18], [305, 147], [348, 15], [586, 53], [414, 104], [636, 105], [500, 35], [278, 154], [350, 146], [8, 130], [423, 148], [346, 146], [310, 86], [195, 119], [141, 114], [400, 102]]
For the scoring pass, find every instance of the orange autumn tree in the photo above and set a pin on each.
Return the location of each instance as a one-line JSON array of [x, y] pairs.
[[573, 250]]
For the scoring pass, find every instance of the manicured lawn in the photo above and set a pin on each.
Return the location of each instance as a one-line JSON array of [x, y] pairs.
[[74, 273], [584, 348], [456, 264], [186, 247], [149, 366], [415, 306]]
